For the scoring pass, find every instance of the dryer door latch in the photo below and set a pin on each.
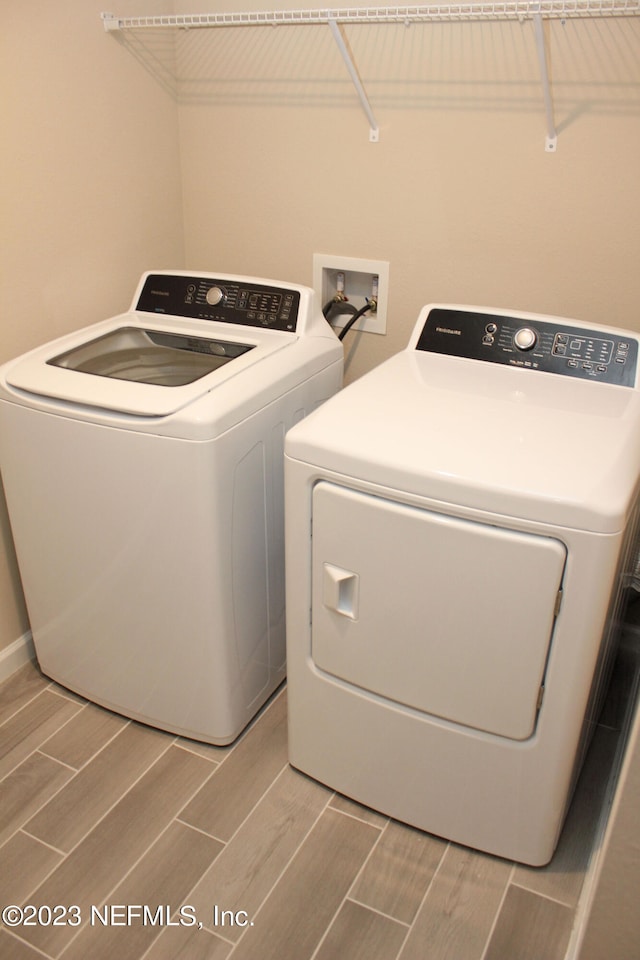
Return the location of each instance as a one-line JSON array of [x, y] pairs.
[[340, 590]]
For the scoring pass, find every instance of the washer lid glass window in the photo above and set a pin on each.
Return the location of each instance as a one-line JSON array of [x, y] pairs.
[[150, 356]]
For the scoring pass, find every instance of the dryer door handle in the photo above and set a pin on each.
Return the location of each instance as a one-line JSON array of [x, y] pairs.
[[340, 590]]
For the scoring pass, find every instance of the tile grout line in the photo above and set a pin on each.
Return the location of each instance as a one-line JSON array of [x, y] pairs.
[[21, 826], [45, 877], [374, 846], [354, 816], [30, 703], [172, 742], [284, 869], [80, 703], [66, 855], [36, 749], [225, 843], [241, 824], [105, 899], [43, 843], [56, 687], [494, 924], [210, 836], [75, 770], [97, 752], [544, 896], [27, 703], [123, 876], [67, 766], [39, 952], [186, 744], [50, 846], [115, 803], [355, 879], [380, 913], [422, 902]]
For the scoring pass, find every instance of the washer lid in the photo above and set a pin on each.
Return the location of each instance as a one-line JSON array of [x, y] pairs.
[[150, 356], [149, 370], [487, 437]]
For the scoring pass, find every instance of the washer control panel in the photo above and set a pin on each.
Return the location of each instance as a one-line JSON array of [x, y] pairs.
[[547, 345], [204, 298]]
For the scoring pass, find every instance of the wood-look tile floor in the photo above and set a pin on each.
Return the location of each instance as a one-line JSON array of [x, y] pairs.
[[104, 814]]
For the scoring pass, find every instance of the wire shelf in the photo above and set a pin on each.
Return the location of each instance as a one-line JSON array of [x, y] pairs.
[[338, 17], [447, 12]]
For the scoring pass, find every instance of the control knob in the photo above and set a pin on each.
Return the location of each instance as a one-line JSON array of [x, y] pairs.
[[525, 338], [215, 295]]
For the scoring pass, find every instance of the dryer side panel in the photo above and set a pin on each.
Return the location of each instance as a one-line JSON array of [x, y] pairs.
[[450, 617]]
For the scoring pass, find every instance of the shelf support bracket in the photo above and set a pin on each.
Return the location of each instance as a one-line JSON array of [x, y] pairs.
[[110, 21], [343, 47], [551, 140]]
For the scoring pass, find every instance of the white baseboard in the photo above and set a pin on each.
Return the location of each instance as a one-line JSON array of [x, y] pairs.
[[16, 655]]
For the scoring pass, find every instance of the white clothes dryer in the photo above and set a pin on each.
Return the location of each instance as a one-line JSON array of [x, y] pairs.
[[142, 460], [474, 505]]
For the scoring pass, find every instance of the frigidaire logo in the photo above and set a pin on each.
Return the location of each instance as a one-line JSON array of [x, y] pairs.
[[456, 333]]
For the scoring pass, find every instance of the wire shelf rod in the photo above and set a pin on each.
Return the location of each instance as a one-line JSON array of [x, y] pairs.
[[536, 10], [447, 12], [551, 140]]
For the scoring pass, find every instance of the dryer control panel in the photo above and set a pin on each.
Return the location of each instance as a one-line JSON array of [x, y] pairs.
[[223, 300], [535, 344]]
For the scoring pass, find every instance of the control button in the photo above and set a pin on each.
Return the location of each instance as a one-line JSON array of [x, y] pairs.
[[559, 349], [572, 363], [562, 338], [214, 296], [487, 340], [525, 338], [601, 368], [491, 328]]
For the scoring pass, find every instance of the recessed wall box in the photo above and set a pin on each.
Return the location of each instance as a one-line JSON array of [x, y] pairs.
[[358, 286]]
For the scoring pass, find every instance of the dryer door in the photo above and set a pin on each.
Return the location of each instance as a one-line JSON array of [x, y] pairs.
[[448, 616]]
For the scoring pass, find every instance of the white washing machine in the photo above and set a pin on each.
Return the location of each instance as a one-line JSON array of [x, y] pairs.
[[474, 504], [142, 460]]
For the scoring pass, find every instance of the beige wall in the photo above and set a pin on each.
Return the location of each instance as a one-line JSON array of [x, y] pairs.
[[90, 187], [459, 195]]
